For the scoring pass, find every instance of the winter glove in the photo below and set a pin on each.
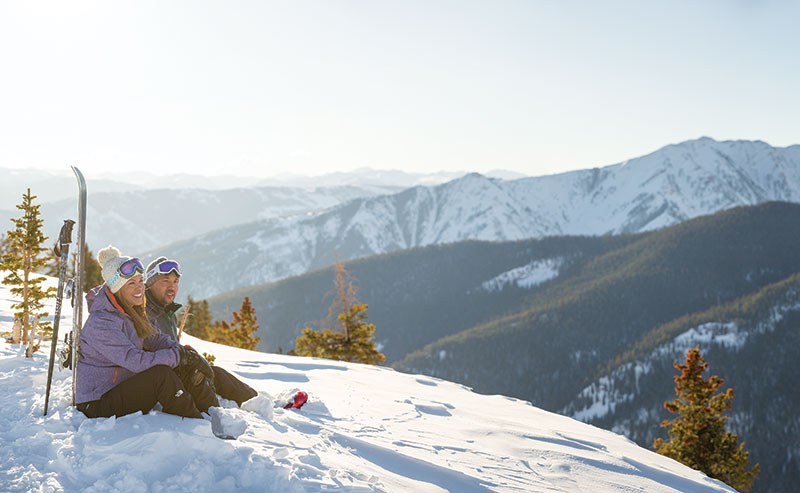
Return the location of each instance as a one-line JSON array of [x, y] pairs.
[[191, 360]]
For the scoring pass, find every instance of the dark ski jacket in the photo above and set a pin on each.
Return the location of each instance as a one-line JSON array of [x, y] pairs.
[[112, 351], [163, 318]]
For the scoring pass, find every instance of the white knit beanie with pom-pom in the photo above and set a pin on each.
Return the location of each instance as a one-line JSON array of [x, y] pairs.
[[110, 260]]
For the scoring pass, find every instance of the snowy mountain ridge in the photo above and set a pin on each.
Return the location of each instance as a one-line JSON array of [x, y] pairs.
[[671, 185], [364, 428]]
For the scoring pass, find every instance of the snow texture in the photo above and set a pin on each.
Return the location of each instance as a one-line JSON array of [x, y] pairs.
[[364, 429], [527, 276]]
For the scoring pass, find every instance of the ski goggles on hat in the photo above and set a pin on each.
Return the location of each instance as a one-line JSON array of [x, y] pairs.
[[165, 267], [127, 270]]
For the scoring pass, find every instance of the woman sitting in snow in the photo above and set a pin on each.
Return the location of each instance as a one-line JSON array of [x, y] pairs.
[[126, 364]]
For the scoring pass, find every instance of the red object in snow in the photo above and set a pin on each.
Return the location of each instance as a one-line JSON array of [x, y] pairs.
[[297, 401]]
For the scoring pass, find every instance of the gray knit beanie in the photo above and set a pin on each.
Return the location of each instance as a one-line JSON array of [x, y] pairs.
[[152, 275]]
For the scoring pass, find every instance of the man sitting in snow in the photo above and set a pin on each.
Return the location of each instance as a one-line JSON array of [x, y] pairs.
[[162, 278]]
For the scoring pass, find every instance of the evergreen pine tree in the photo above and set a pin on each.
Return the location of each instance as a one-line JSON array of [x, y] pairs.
[[5, 245], [5, 248], [697, 435], [53, 266], [245, 326], [200, 320], [355, 342], [21, 262], [344, 292], [241, 332], [220, 332]]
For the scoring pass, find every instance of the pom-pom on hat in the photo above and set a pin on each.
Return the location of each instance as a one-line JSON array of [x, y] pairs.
[[110, 260]]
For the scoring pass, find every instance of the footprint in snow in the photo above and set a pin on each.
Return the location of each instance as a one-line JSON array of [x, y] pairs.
[[434, 408]]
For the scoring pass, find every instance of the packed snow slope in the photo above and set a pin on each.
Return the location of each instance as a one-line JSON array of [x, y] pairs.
[[364, 428]]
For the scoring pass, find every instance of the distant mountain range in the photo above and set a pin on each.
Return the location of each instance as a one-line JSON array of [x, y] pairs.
[[673, 184], [368, 176], [48, 186], [170, 208], [138, 220], [589, 326], [55, 185]]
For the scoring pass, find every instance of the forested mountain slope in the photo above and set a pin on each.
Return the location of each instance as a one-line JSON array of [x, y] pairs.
[[751, 343], [579, 323], [420, 295]]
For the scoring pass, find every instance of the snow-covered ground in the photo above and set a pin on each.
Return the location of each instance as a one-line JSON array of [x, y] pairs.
[[527, 276], [364, 428]]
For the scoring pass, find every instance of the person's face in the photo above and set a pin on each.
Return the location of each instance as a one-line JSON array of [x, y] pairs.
[[165, 289], [133, 290]]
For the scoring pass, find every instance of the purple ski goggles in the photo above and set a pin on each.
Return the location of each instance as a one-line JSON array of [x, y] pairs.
[[127, 270], [165, 267]]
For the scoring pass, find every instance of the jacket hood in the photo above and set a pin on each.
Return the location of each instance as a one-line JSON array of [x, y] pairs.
[[99, 299]]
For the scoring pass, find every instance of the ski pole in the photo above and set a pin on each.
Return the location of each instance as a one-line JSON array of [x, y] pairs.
[[61, 250]]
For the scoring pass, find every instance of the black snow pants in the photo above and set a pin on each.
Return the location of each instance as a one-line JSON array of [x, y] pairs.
[[230, 387], [142, 391]]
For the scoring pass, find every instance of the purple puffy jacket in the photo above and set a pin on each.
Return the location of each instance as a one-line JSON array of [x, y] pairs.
[[112, 351]]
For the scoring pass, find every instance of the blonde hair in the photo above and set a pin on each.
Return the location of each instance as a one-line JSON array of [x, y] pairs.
[[139, 316]]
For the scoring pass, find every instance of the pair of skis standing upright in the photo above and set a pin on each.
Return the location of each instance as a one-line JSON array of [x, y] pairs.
[[73, 288]]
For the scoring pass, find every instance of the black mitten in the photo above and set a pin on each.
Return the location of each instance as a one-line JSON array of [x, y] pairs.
[[191, 360]]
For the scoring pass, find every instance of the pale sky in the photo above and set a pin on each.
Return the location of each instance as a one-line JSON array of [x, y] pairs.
[[261, 87]]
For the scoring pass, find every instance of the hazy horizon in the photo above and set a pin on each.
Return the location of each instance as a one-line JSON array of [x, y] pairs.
[[289, 175]]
